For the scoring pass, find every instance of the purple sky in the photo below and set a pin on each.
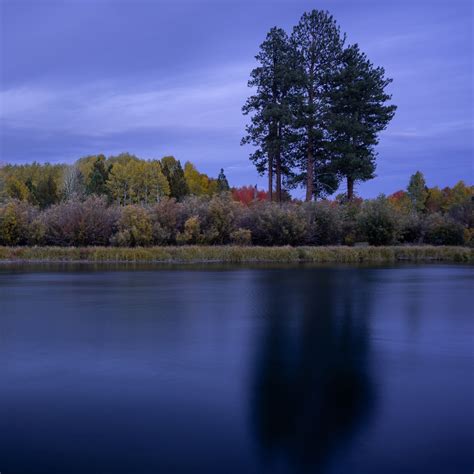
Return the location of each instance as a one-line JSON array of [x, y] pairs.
[[169, 77]]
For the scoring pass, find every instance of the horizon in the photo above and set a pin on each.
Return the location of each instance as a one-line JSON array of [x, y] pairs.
[[153, 81]]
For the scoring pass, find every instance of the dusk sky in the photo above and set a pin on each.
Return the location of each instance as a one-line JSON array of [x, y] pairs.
[[159, 78]]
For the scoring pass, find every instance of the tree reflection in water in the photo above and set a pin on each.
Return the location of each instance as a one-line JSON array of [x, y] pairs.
[[312, 386]]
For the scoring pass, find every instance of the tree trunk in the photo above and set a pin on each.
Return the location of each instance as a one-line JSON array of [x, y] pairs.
[[278, 166], [278, 180], [270, 178], [310, 174], [310, 154], [350, 188]]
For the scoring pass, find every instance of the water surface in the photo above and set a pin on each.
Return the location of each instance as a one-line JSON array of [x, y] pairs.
[[236, 370]]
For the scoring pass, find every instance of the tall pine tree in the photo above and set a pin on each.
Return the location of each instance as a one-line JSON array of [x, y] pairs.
[[318, 44], [357, 114], [270, 109]]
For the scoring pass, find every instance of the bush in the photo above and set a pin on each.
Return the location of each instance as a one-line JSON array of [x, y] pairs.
[[78, 223], [192, 232], [220, 220], [441, 230], [273, 224], [324, 223], [411, 228], [134, 227], [222, 213], [241, 236], [377, 222], [167, 218], [16, 223], [349, 212]]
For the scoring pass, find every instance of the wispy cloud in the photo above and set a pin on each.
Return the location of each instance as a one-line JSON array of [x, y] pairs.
[[116, 107], [432, 130]]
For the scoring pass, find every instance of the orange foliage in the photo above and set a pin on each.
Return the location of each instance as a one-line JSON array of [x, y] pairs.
[[247, 194]]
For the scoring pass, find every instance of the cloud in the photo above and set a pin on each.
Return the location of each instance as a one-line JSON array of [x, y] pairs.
[[109, 107], [433, 130]]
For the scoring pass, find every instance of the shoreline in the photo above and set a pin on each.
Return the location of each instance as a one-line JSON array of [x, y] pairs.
[[237, 254]]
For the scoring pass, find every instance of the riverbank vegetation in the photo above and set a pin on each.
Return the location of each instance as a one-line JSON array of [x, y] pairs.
[[419, 215], [239, 254]]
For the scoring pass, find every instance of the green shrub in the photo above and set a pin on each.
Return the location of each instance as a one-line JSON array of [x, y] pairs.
[[273, 224], [442, 230], [411, 228], [324, 223], [377, 222]]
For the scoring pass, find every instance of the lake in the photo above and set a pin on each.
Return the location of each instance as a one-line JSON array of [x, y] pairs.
[[215, 369]]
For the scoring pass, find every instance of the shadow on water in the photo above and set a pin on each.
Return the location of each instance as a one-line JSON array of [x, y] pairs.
[[312, 385]]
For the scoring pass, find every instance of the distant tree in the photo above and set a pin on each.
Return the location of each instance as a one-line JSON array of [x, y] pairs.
[[357, 114], [247, 194], [134, 181], [152, 182], [46, 192], [99, 174], [222, 183], [270, 128], [418, 191], [73, 183], [3, 191], [16, 189], [434, 200], [199, 184], [85, 165], [400, 201], [174, 174], [318, 44], [459, 194]]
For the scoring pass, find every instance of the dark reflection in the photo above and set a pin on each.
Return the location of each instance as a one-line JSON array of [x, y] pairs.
[[312, 384]]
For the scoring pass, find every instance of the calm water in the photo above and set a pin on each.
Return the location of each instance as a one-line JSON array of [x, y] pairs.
[[234, 370]]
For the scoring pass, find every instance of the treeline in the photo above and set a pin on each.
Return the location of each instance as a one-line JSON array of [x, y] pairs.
[[123, 179], [414, 216], [317, 110]]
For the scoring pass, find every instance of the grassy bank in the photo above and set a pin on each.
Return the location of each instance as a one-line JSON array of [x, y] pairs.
[[236, 254]]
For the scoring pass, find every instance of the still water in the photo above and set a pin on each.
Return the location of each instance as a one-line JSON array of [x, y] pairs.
[[236, 370]]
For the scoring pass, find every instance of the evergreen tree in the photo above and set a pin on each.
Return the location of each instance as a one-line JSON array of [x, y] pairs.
[[418, 191], [318, 44], [357, 114], [222, 183], [46, 192], [270, 128], [174, 173], [97, 183]]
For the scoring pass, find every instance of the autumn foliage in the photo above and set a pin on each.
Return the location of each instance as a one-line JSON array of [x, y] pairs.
[[248, 194]]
